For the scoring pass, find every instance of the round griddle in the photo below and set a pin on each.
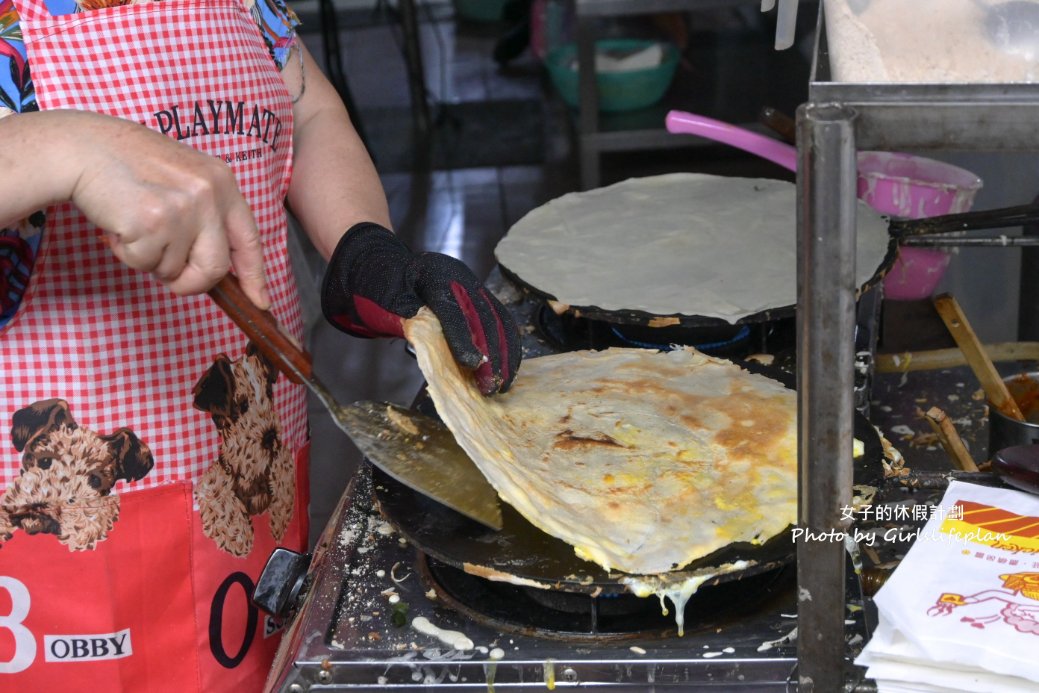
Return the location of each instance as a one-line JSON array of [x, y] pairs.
[[675, 249], [641, 318], [522, 553]]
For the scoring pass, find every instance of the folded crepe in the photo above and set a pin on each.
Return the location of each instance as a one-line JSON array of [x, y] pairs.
[[643, 461]]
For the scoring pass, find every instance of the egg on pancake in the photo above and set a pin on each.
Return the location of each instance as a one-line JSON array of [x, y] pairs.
[[643, 461]]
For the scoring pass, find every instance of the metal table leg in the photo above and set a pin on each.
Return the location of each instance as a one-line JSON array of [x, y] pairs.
[[334, 63], [1028, 294], [416, 71], [825, 337], [588, 95]]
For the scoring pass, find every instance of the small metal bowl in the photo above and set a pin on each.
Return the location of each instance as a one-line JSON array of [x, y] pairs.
[[1005, 432]]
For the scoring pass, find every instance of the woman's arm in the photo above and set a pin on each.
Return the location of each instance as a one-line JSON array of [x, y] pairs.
[[334, 183], [374, 281], [165, 208]]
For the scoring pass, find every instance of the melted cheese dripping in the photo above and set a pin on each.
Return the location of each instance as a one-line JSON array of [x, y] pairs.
[[678, 593]]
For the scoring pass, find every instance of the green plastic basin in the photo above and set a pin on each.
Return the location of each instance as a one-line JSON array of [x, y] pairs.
[[618, 91], [480, 10]]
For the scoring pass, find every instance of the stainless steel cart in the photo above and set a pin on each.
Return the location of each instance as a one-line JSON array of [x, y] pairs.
[[837, 120]]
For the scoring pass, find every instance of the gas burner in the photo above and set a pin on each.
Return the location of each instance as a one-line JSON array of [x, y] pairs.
[[567, 332], [357, 625], [579, 617]]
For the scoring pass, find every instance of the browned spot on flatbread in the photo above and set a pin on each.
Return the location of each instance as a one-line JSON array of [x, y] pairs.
[[568, 440], [769, 424], [625, 493], [687, 412]]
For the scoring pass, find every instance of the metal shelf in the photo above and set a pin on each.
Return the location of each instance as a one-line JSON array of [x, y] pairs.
[[838, 120]]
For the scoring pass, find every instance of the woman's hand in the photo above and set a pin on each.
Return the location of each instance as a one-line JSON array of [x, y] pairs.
[[165, 208]]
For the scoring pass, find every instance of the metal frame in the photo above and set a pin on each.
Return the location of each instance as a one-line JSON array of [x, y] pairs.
[[838, 119], [333, 56]]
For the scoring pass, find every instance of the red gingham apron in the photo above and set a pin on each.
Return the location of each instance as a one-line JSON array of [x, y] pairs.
[[106, 375]]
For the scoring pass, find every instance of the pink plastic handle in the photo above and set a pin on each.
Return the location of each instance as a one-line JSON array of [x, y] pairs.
[[773, 150]]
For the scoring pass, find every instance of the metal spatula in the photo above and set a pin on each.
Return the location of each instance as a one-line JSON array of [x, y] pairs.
[[414, 449]]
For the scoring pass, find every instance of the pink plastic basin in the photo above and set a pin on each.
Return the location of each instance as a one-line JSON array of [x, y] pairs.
[[914, 187]]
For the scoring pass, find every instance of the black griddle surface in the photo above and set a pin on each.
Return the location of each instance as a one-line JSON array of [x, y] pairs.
[[631, 316], [520, 551]]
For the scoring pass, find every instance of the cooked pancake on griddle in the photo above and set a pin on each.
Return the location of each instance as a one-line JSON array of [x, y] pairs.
[[644, 461], [685, 244]]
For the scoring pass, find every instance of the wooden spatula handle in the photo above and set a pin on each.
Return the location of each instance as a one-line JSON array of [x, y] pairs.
[[995, 389], [262, 328]]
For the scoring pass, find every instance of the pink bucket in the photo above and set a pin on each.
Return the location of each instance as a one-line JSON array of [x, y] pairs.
[[913, 187]]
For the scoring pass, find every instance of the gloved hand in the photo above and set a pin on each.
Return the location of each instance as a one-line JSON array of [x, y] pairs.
[[373, 281]]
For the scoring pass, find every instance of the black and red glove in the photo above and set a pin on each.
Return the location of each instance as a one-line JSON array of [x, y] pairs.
[[373, 280]]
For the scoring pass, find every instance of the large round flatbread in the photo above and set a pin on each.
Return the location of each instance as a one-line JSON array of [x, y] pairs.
[[643, 461], [677, 244]]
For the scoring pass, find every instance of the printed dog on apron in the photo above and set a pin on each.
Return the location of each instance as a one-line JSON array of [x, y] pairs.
[[154, 458]]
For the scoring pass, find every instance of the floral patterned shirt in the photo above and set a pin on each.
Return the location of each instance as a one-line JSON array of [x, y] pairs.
[[20, 243]]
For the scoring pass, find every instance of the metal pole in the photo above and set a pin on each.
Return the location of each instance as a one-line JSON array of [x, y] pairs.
[[1028, 291], [413, 60], [826, 178], [334, 65], [588, 101]]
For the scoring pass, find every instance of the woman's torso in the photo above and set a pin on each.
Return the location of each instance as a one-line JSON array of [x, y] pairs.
[[154, 459]]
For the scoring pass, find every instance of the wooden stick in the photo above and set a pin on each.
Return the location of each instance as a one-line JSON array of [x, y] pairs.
[[977, 358], [783, 124], [934, 359], [938, 480], [950, 439]]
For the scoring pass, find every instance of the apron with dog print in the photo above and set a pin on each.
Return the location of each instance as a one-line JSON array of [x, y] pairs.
[[154, 459]]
